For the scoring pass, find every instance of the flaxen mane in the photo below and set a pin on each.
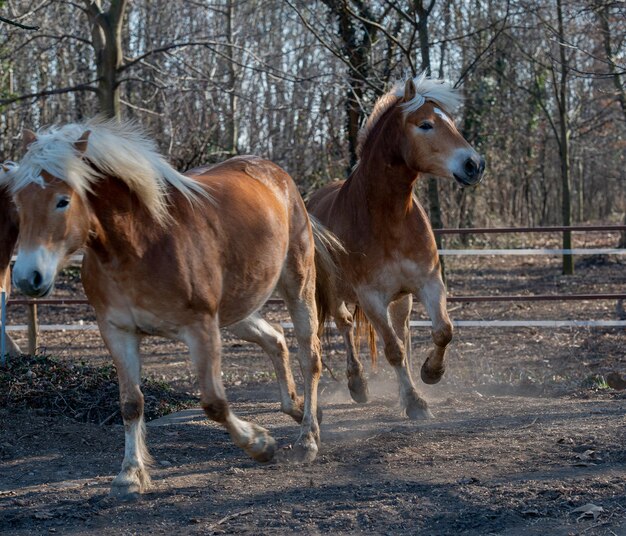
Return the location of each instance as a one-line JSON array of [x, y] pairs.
[[431, 89], [115, 149]]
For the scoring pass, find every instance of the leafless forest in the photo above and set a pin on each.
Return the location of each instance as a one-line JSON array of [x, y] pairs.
[[293, 80]]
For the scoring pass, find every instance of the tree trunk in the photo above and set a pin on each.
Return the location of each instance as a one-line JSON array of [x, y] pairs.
[[566, 208], [106, 31], [356, 50], [603, 16], [233, 131]]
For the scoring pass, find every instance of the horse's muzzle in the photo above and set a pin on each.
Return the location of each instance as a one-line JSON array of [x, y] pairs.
[[34, 285], [472, 174]]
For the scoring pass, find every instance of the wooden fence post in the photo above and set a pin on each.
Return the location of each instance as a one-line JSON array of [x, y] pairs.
[[33, 327]]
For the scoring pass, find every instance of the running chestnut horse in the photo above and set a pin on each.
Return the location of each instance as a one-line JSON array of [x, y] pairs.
[[8, 238], [389, 251], [172, 255]]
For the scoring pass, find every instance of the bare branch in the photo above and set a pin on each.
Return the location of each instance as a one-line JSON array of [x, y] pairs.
[[47, 92], [20, 25]]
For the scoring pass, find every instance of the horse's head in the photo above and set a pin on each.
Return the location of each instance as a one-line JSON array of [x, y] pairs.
[[54, 222], [431, 143]]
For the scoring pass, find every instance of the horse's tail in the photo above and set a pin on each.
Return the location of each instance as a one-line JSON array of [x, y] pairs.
[[327, 247], [365, 330]]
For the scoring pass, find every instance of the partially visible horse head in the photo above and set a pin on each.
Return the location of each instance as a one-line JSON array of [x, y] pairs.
[[59, 173], [430, 142], [53, 215], [8, 222]]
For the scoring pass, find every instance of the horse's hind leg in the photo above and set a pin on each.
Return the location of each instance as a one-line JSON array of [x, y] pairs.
[[124, 348], [297, 287], [400, 313], [433, 296], [376, 309], [205, 347], [357, 384], [259, 331]]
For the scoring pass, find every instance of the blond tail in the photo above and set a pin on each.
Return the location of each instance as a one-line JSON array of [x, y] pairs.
[[327, 248], [365, 330]]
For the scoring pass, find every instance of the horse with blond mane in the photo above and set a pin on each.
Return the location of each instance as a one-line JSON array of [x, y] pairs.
[[170, 254], [8, 239], [388, 251]]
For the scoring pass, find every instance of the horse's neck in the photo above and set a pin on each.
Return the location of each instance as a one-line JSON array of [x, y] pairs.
[[120, 225], [382, 188]]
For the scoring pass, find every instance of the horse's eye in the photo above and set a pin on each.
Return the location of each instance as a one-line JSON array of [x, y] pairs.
[[426, 126], [63, 202]]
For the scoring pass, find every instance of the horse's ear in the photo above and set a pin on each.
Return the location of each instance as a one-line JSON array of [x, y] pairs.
[[409, 90], [81, 143], [28, 137]]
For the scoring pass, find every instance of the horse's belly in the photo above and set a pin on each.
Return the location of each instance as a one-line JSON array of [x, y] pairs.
[[137, 320], [396, 278], [245, 292]]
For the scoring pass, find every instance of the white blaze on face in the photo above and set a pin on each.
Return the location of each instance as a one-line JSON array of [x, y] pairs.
[[445, 117]]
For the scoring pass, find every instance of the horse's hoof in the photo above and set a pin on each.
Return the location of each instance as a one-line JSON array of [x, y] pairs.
[[263, 447], [129, 487], [358, 389], [431, 376], [304, 451], [125, 488], [122, 494], [417, 410]]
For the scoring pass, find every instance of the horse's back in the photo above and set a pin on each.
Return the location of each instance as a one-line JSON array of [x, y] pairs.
[[249, 167], [256, 217]]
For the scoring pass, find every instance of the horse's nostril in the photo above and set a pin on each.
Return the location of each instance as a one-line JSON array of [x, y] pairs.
[[470, 167], [37, 279]]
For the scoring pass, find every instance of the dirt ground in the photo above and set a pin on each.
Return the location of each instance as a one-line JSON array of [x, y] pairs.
[[526, 432]]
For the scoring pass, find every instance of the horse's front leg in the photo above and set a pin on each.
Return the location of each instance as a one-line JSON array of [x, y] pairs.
[[376, 308], [259, 331], [433, 296], [123, 345], [205, 348], [12, 348]]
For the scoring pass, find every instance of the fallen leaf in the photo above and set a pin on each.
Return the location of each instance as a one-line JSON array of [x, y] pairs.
[[588, 510], [43, 515], [468, 480]]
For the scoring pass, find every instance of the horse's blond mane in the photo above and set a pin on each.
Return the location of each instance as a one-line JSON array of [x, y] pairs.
[[435, 90], [120, 150]]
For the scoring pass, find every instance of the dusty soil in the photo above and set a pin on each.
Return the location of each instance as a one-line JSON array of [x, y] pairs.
[[526, 431]]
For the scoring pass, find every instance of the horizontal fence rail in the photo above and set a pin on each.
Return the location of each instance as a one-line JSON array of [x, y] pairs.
[[530, 251], [545, 229], [412, 323], [77, 259]]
